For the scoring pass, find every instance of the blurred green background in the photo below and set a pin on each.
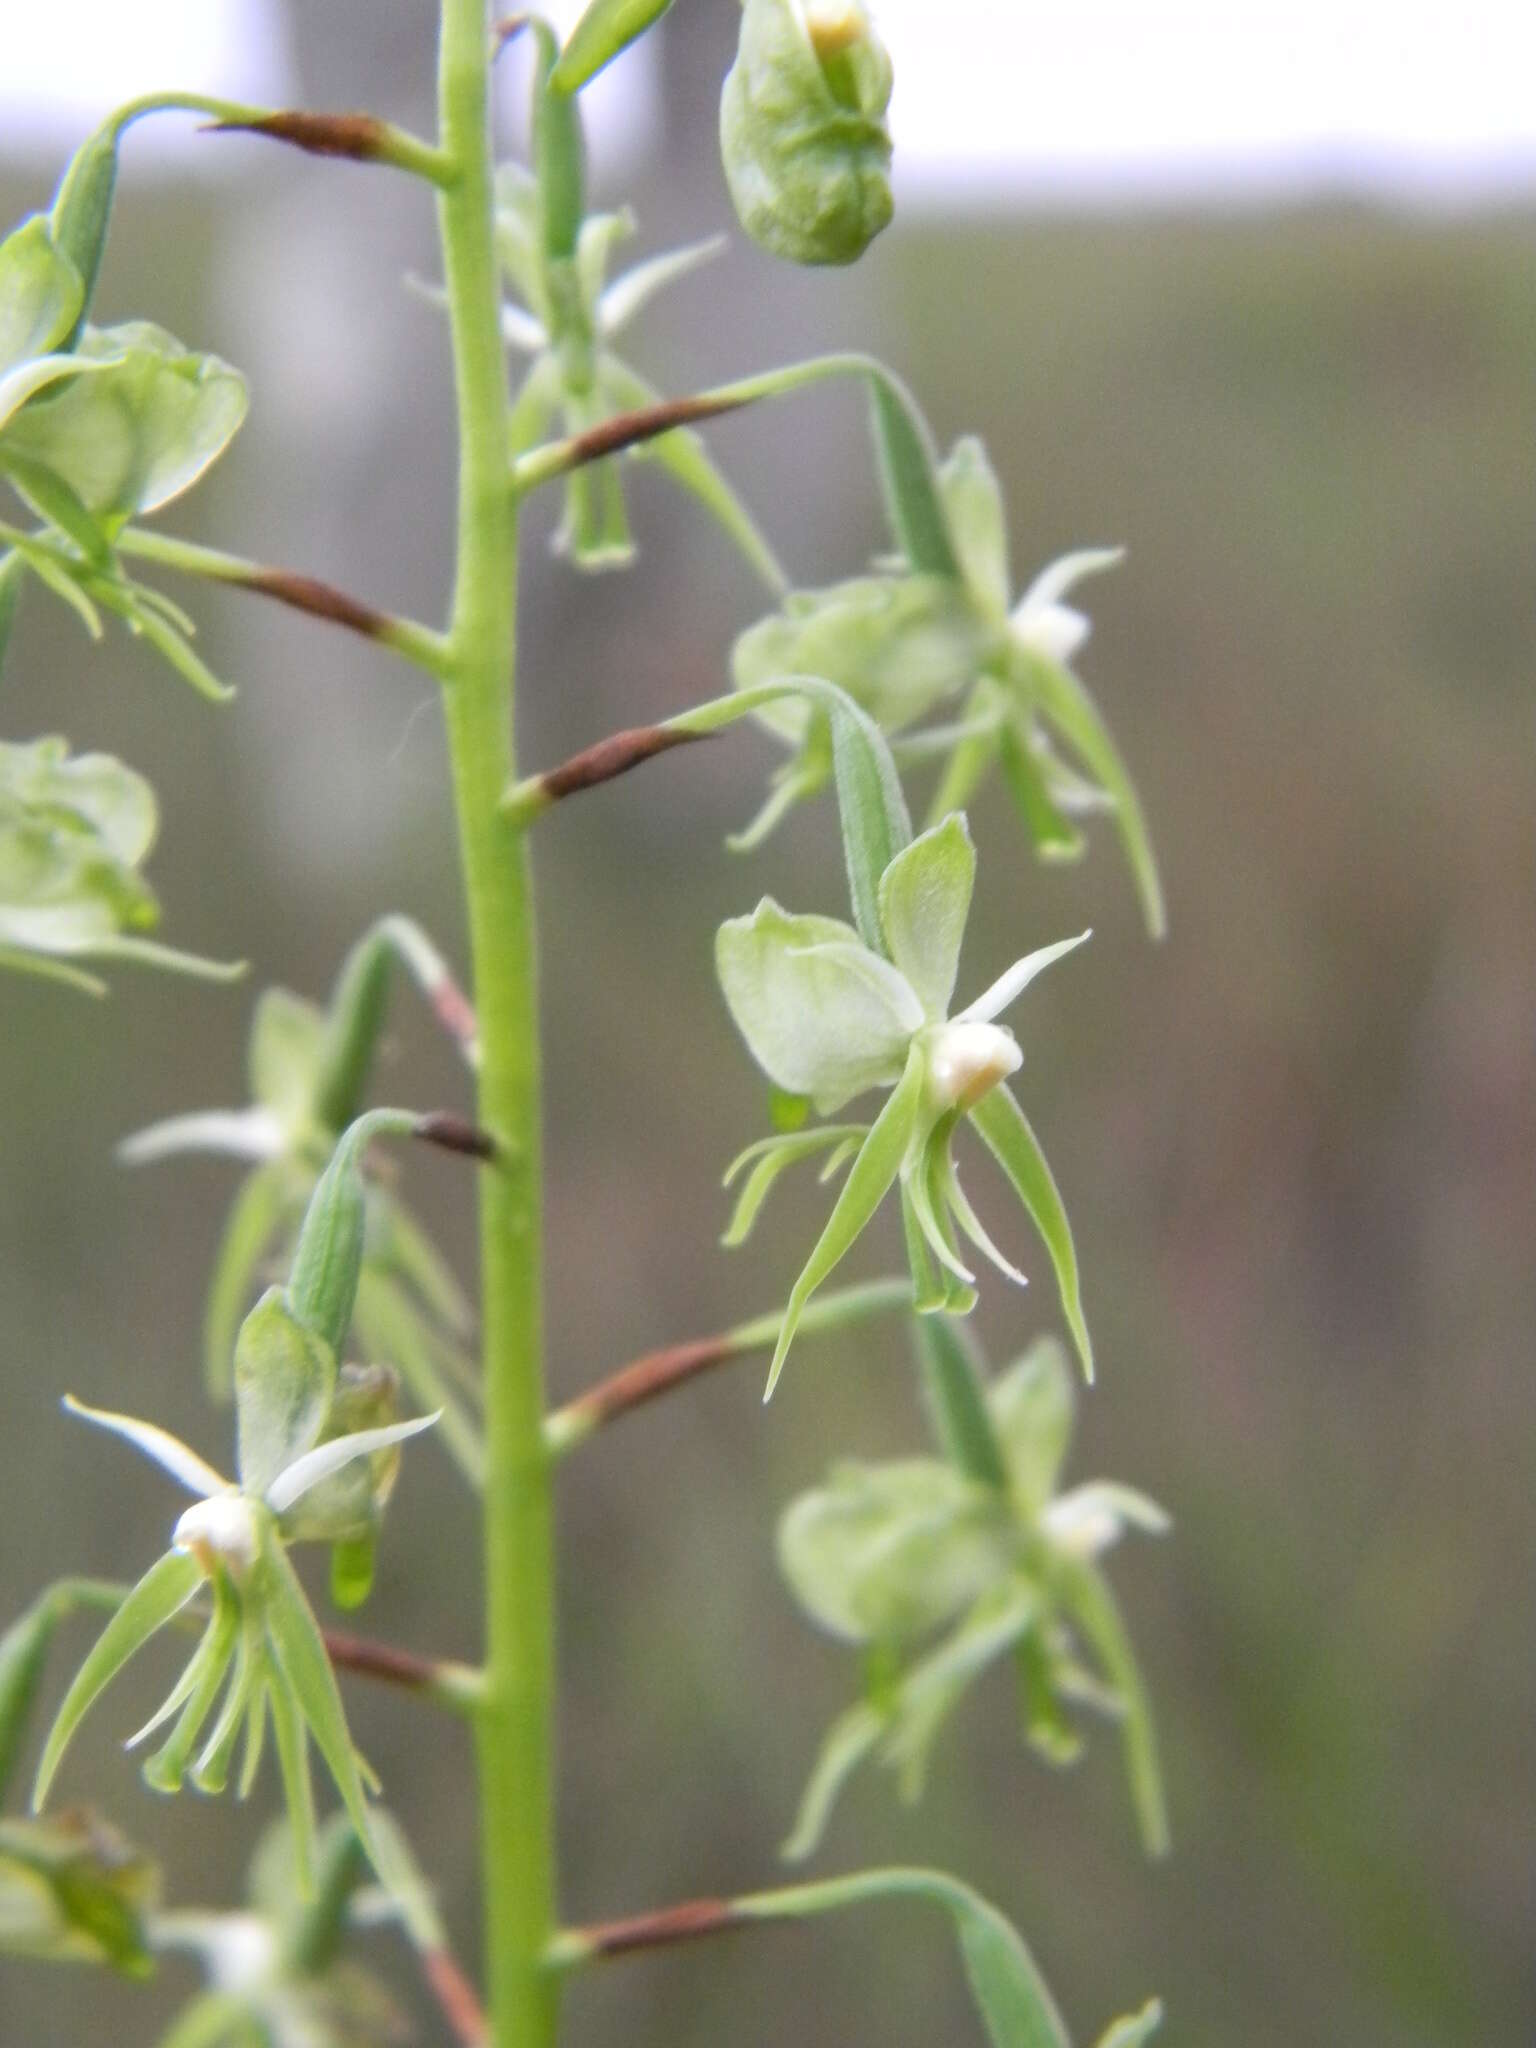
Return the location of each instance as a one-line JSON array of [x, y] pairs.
[[1298, 1139]]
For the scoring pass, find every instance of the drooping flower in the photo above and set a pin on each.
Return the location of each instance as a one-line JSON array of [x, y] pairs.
[[309, 1066], [955, 670], [982, 1543], [828, 1018], [306, 1473]]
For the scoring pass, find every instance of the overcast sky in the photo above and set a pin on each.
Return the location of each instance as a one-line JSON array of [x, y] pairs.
[[1092, 101]]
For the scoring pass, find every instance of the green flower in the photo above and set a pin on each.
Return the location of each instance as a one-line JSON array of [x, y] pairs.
[[74, 833], [275, 1970], [261, 1646], [827, 1018], [910, 645], [308, 1068], [985, 1545], [565, 318], [803, 136], [99, 426]]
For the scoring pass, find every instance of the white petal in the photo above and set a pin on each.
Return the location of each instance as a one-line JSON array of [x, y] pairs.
[[1008, 987], [1055, 630], [1090, 1518], [236, 1133], [296, 1479], [168, 1451], [521, 331], [636, 288], [221, 1529], [1058, 577]]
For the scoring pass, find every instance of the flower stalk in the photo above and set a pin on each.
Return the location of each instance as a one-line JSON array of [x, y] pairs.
[[515, 1723]]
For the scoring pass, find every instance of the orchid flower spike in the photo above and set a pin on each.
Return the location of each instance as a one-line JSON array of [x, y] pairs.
[[827, 1018]]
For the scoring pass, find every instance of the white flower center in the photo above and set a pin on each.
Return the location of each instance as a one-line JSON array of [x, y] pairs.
[[967, 1059], [221, 1530]]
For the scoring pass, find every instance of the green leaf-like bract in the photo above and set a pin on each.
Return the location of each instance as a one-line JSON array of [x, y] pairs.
[[1011, 1996]]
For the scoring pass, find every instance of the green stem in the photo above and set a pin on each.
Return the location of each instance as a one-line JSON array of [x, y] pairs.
[[516, 1715]]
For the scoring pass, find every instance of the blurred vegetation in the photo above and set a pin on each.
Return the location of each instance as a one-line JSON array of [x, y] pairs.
[[1298, 1139]]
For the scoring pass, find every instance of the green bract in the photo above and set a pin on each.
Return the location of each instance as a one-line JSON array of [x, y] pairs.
[[308, 1069], [74, 832], [803, 136], [885, 1555], [72, 1890], [827, 1017]]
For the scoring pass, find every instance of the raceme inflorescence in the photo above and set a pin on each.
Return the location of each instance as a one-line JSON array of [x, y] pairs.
[[334, 1324]]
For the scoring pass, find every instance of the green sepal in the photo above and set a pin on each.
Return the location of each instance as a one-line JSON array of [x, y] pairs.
[[605, 28], [924, 897], [977, 522], [887, 1553], [1008, 1136], [141, 428], [821, 1014], [161, 1594], [285, 1377]]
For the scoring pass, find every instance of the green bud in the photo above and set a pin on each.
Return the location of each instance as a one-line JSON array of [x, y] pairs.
[[328, 1258], [559, 155], [803, 137], [354, 1022]]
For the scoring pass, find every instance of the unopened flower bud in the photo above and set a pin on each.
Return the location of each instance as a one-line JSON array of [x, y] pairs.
[[803, 138], [967, 1060]]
